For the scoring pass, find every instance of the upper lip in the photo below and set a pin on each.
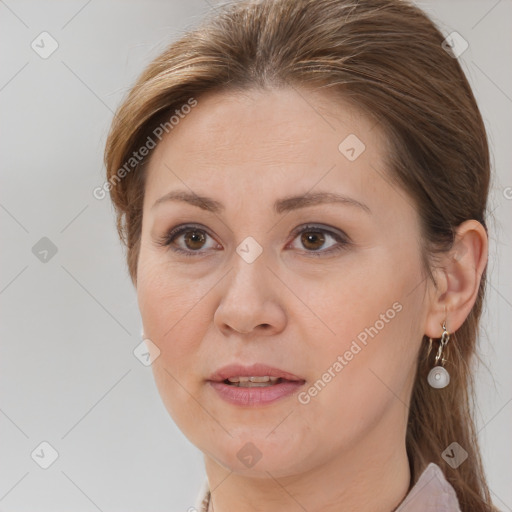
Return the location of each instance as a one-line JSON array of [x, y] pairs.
[[255, 370]]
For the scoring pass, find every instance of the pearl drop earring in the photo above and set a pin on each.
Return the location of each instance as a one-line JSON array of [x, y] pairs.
[[438, 377]]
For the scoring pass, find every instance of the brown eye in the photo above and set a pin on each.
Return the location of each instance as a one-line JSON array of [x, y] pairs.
[[194, 239], [189, 241], [312, 240]]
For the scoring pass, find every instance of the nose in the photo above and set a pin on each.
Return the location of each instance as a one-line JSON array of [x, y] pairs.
[[250, 300]]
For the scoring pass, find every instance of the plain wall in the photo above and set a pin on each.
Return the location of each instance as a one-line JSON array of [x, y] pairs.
[[69, 325]]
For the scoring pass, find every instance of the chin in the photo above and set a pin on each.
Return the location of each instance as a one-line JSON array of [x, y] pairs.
[[256, 454]]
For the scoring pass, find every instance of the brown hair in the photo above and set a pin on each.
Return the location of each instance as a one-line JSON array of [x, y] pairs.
[[386, 57]]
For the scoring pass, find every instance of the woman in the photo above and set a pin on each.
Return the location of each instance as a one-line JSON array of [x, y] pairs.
[[302, 186]]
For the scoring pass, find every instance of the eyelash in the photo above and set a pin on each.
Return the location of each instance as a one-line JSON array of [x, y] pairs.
[[343, 240]]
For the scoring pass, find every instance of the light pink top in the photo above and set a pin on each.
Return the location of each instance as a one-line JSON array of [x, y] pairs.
[[430, 493]]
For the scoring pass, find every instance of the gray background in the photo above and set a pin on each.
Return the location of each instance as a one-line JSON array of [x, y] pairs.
[[69, 325]]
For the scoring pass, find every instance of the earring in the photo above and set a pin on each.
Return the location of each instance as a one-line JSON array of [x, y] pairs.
[[438, 377]]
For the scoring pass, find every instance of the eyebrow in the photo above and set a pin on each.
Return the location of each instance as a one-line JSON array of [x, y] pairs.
[[280, 206]]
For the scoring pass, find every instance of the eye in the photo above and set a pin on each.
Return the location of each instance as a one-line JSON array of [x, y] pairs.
[[314, 238], [191, 240], [187, 240]]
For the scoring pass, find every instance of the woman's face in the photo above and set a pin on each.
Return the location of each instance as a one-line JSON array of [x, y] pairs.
[[331, 292]]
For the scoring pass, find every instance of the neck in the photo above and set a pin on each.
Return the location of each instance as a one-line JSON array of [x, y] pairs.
[[373, 476]]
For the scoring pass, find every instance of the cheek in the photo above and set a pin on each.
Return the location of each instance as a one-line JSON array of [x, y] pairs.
[[358, 383], [338, 305], [171, 306], [365, 342], [171, 309]]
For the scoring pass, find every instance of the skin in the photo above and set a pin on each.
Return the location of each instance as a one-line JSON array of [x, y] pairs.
[[345, 449]]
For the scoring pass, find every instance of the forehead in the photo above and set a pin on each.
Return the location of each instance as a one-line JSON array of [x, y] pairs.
[[261, 143], [285, 119]]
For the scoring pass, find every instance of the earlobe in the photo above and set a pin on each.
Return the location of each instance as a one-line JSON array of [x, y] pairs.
[[462, 268]]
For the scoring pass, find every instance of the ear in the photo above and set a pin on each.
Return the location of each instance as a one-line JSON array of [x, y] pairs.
[[458, 279]]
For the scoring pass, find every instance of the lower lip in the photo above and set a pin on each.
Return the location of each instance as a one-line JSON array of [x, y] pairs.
[[251, 397]]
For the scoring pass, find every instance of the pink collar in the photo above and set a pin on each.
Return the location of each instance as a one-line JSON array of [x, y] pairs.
[[430, 492]]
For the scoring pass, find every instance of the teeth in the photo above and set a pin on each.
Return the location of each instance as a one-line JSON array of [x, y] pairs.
[[265, 378], [253, 381]]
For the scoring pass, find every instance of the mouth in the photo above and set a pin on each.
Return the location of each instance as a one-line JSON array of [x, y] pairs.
[[254, 385], [256, 375]]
